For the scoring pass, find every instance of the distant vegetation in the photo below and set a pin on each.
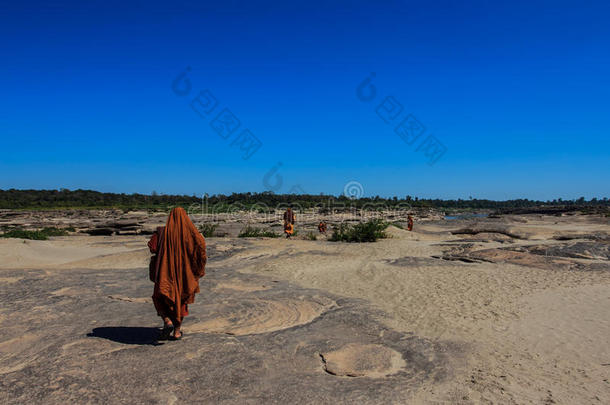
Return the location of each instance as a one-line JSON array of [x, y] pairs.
[[42, 234], [368, 231], [252, 232], [54, 199], [208, 230]]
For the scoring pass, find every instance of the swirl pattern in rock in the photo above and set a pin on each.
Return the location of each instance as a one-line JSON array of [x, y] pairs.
[[253, 316]]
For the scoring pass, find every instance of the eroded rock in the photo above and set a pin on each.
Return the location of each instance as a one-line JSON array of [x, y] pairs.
[[358, 360]]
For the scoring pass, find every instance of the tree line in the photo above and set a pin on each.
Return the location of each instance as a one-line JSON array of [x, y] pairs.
[[90, 199]]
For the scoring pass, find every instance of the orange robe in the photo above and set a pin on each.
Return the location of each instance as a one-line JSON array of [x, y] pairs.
[[289, 228], [289, 216], [181, 259], [289, 219]]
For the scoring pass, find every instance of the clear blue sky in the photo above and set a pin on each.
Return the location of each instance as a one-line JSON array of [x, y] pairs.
[[517, 93]]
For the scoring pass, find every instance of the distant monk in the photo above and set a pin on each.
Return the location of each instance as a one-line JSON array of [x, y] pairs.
[[322, 227], [409, 222], [289, 219], [176, 267]]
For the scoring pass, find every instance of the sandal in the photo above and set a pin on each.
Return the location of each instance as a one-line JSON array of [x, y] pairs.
[[177, 338], [165, 332]]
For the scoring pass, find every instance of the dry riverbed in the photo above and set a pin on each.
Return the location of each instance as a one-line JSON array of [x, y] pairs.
[[513, 309]]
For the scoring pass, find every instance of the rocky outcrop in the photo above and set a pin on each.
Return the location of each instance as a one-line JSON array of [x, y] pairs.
[[270, 343], [490, 229]]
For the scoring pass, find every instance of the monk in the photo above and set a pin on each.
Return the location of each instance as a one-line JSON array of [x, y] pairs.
[[176, 267], [288, 229], [289, 219], [409, 222], [322, 227]]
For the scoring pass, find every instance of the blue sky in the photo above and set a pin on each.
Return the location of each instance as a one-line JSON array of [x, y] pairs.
[[515, 93]]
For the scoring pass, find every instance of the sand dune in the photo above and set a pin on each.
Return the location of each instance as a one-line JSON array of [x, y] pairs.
[[28, 254]]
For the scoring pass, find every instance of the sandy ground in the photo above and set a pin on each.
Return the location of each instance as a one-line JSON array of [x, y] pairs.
[[530, 327]]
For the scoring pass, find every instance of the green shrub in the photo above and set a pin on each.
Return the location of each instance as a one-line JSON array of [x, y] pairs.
[[52, 231], [368, 231], [311, 236], [252, 232], [23, 234], [42, 234], [208, 230]]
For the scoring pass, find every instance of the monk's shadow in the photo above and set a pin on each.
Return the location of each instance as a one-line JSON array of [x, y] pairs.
[[129, 335]]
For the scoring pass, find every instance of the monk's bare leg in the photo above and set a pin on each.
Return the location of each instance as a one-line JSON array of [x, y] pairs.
[[177, 332], [167, 328]]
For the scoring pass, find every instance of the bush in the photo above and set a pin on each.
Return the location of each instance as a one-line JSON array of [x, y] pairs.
[[52, 231], [368, 231], [251, 232], [207, 230], [311, 236], [42, 234]]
